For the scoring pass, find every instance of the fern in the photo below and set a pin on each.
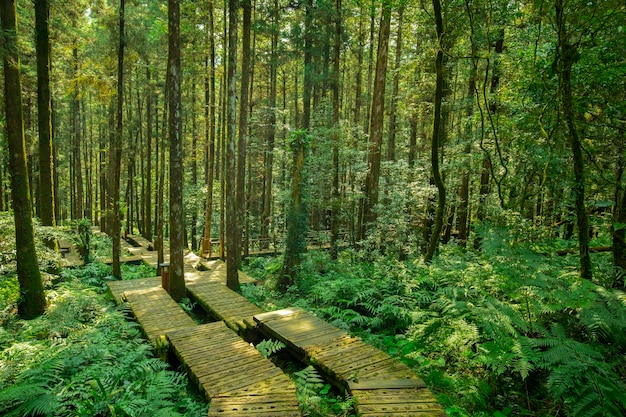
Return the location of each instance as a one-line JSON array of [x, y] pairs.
[[268, 347], [309, 382]]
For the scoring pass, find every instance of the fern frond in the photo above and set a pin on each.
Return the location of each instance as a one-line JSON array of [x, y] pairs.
[[269, 347]]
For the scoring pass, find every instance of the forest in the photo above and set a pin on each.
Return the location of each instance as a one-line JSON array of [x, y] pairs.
[[445, 179]]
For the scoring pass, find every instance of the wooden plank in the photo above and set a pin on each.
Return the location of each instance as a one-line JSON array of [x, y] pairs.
[[279, 314], [227, 367], [255, 405], [377, 384]]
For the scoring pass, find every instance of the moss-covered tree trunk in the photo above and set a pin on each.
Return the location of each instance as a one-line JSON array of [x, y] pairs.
[[32, 302], [233, 241], [565, 59], [370, 198], [116, 152], [44, 111], [297, 217], [435, 142], [176, 284]]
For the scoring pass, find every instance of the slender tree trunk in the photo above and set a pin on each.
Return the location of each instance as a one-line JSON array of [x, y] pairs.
[[147, 228], [271, 134], [176, 282], [437, 134], [566, 57], [243, 123], [209, 115], [336, 201], [297, 217], [358, 93], [77, 140], [391, 141], [32, 301], [194, 167], [376, 125], [116, 150], [233, 241], [44, 113]]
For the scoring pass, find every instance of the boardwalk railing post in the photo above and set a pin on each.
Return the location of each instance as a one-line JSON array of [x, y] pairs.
[[165, 276]]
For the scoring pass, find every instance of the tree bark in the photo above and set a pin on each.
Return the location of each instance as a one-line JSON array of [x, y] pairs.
[[77, 177], [336, 201], [116, 150], [176, 283], [44, 112], [566, 57], [437, 133], [266, 217], [32, 301], [391, 140], [147, 228], [243, 123], [233, 248], [376, 125], [209, 115]]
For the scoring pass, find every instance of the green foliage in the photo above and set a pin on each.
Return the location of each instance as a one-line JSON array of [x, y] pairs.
[[83, 358], [509, 331], [268, 347], [316, 398]]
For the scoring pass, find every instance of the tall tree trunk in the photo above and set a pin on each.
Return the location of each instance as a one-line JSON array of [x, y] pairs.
[[147, 228], [566, 57], [194, 167], [77, 177], [358, 93], [391, 140], [437, 133], [336, 201], [116, 149], [209, 115], [243, 123], [297, 217], [176, 283], [32, 301], [44, 112], [233, 241], [376, 125], [266, 217]]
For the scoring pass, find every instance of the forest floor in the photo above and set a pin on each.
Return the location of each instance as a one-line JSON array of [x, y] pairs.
[[508, 331]]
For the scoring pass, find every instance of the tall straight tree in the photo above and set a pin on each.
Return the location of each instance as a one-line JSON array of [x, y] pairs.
[[297, 217], [32, 302], [116, 151], [566, 56], [176, 282], [233, 243], [243, 120], [376, 121], [336, 201], [209, 120], [46, 156], [437, 133], [266, 217]]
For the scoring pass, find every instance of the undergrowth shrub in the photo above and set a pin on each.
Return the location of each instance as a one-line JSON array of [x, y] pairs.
[[83, 358], [508, 331]]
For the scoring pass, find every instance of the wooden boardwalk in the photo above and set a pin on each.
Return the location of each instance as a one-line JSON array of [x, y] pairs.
[[234, 375], [381, 385], [157, 312]]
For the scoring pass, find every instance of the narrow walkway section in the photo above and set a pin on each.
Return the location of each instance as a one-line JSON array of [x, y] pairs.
[[381, 385], [239, 381], [213, 295], [157, 312]]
